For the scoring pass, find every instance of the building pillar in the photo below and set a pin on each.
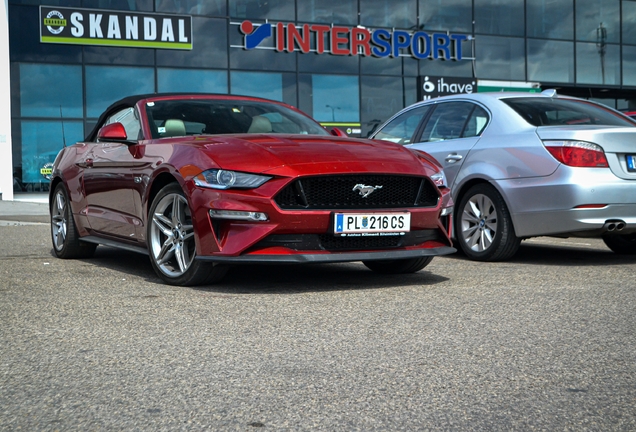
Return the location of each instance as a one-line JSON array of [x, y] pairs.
[[6, 158]]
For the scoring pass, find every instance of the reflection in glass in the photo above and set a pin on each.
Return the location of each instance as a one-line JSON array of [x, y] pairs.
[[446, 15], [259, 9], [500, 58], [42, 141], [629, 65], [120, 56], [131, 5], [628, 16], [107, 84], [209, 47], [388, 13], [596, 67], [499, 17], [328, 11], [381, 98], [551, 61], [63, 91], [322, 63], [191, 80], [265, 85], [550, 19], [192, 7], [592, 14], [335, 98]]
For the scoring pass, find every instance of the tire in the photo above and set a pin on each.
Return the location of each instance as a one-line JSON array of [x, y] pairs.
[[398, 266], [621, 244], [172, 244], [483, 226], [66, 243]]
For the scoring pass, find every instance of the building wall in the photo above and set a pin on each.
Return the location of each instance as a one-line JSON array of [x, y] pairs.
[[58, 91], [6, 168]]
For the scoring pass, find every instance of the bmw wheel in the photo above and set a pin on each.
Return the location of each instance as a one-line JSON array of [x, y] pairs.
[[66, 243], [484, 228], [398, 266], [621, 244], [171, 241]]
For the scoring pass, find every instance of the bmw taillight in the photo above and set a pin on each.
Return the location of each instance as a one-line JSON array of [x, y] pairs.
[[577, 153]]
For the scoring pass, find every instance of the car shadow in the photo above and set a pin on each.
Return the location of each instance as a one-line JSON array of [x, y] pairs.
[[563, 255], [273, 278]]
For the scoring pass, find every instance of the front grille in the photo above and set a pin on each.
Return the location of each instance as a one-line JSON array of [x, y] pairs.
[[339, 193], [331, 242]]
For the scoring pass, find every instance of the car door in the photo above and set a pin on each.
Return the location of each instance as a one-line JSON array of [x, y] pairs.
[[109, 181], [450, 132]]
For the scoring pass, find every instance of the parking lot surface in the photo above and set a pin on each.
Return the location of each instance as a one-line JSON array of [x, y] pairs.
[[545, 341]]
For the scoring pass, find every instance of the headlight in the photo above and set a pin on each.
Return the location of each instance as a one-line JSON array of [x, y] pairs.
[[439, 179], [224, 179]]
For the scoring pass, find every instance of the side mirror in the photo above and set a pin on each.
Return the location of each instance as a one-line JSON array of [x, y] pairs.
[[338, 132], [112, 132]]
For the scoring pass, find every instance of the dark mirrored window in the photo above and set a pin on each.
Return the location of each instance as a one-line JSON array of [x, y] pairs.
[[119, 56], [499, 17], [131, 5], [265, 85], [389, 13], [260, 9], [330, 98], [550, 19], [446, 15], [63, 95], [192, 7], [107, 84], [597, 66], [628, 17], [191, 80], [328, 11], [500, 58], [550, 61], [462, 68], [381, 98], [629, 65], [209, 46], [325, 63], [598, 21]]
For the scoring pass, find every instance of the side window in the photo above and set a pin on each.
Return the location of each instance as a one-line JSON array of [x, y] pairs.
[[476, 123], [128, 117], [402, 128], [447, 121]]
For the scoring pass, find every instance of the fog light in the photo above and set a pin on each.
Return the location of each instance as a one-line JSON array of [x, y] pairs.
[[238, 215]]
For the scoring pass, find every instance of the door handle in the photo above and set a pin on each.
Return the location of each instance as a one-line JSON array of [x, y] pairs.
[[453, 157]]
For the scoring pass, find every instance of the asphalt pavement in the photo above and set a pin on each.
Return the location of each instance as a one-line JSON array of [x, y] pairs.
[[543, 342]]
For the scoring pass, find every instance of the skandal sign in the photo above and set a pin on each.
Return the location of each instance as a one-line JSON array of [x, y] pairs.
[[345, 41], [115, 28]]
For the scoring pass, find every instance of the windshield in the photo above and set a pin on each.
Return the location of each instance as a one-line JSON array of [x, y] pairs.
[[217, 116], [559, 112]]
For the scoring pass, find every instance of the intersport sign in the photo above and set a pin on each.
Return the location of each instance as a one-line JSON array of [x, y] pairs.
[[345, 41]]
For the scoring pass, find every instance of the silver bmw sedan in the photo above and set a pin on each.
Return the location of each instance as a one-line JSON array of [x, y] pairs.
[[523, 165]]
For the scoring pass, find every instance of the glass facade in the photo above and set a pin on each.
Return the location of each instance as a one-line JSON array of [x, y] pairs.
[[585, 48]]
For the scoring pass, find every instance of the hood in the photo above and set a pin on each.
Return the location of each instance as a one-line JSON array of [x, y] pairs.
[[290, 155]]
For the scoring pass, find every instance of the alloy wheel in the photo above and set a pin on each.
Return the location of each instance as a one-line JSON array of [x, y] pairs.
[[58, 220], [479, 223]]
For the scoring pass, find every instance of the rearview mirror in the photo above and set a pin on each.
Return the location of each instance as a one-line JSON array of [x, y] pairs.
[[112, 132]]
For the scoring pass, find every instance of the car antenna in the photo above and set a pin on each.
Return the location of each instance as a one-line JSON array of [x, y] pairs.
[[63, 134]]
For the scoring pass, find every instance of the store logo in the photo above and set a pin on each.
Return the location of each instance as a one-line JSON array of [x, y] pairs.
[[115, 28], [434, 86], [345, 41]]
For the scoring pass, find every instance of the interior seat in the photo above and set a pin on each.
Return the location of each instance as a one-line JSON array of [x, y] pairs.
[[174, 128], [260, 124]]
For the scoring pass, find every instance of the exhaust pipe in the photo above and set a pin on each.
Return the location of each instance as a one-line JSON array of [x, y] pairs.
[[620, 226], [614, 225]]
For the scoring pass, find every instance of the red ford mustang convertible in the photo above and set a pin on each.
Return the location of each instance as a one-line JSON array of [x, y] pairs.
[[201, 182]]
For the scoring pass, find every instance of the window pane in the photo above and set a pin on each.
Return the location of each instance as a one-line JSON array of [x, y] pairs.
[[447, 121], [64, 101], [258, 9], [594, 66], [629, 65], [328, 11], [388, 13], [119, 56], [550, 19], [265, 85], [550, 61], [381, 98], [42, 141], [192, 7], [191, 80], [322, 63], [332, 98], [476, 123], [401, 129], [591, 14], [499, 17], [259, 59], [209, 48], [446, 15], [500, 58], [132, 5], [106, 84], [628, 16]]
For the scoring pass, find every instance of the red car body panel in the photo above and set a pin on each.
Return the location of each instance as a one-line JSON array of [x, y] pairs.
[[111, 186]]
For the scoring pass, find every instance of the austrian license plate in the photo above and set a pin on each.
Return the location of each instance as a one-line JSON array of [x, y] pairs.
[[631, 163], [371, 223]]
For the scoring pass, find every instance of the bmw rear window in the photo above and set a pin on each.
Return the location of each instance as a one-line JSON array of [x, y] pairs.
[[563, 112]]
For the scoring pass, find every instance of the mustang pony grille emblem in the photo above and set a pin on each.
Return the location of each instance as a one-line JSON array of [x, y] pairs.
[[365, 190]]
